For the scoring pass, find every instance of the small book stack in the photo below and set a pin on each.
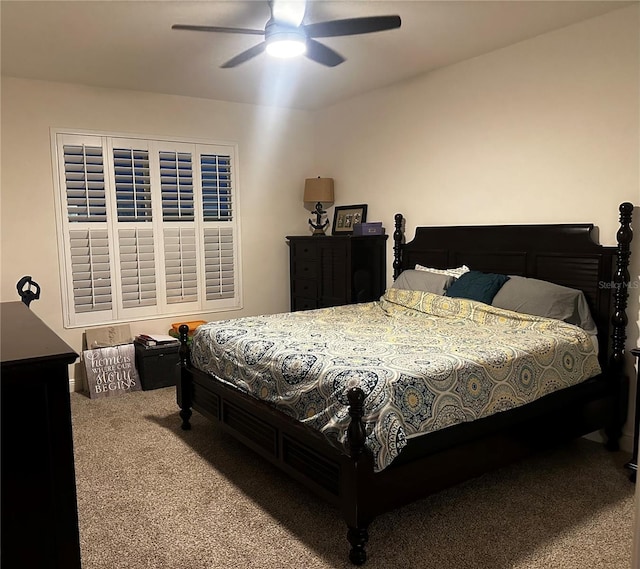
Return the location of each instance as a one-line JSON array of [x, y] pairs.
[[156, 339]]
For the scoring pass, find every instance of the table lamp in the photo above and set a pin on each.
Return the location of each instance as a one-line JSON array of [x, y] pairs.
[[318, 193]]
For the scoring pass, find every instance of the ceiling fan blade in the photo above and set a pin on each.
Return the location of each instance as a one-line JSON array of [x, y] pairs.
[[322, 54], [352, 26], [217, 29], [245, 55]]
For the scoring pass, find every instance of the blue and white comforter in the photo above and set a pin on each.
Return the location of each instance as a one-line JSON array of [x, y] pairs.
[[425, 362]]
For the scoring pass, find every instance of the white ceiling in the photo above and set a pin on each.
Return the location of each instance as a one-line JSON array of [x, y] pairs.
[[130, 44]]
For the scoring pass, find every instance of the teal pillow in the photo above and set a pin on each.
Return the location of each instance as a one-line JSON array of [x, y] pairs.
[[476, 285]]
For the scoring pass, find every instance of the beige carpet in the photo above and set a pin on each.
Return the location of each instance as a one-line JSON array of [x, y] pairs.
[[153, 496]]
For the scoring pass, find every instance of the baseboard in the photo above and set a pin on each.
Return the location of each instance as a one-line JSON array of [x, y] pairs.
[[626, 440]]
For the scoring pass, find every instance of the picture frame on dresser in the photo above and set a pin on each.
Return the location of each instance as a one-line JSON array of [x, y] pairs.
[[346, 216]]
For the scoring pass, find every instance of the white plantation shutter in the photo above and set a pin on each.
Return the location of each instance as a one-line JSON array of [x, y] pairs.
[[84, 183], [180, 265], [83, 202], [216, 187], [135, 230], [176, 179], [219, 243], [133, 184], [219, 258], [148, 228], [90, 270], [137, 267], [136, 255], [180, 253]]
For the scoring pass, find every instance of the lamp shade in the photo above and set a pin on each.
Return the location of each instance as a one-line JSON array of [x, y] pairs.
[[318, 190]]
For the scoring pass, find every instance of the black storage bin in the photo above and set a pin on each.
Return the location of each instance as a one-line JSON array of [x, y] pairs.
[[157, 365]]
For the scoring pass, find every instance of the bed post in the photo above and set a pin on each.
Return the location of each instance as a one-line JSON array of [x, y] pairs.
[[356, 433], [183, 386], [357, 533], [397, 245], [619, 322], [621, 285]]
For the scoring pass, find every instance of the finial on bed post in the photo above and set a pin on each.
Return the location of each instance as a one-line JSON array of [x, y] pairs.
[[356, 433], [184, 382], [357, 534], [621, 286], [397, 245]]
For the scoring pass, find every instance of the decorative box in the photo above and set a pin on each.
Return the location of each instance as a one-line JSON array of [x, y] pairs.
[[368, 228]]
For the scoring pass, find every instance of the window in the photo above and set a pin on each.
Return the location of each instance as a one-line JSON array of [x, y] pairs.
[[147, 228]]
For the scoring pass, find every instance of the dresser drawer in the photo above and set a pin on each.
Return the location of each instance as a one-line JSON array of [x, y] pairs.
[[304, 268], [306, 288], [300, 303], [304, 249]]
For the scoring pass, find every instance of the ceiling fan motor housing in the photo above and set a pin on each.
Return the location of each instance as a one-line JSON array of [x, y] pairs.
[[277, 33]]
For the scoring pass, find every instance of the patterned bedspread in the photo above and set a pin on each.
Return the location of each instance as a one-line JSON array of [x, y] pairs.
[[424, 361]]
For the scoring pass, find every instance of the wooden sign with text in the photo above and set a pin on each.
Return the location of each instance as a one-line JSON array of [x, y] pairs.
[[111, 371]]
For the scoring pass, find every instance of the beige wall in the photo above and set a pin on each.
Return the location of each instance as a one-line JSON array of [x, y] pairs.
[[546, 130], [275, 155]]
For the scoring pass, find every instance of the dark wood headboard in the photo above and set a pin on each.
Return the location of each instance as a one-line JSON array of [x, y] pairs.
[[565, 254]]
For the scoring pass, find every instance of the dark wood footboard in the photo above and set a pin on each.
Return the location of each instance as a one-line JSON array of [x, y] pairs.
[[270, 433], [335, 473], [426, 465]]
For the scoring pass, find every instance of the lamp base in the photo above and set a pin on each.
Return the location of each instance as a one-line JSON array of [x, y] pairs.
[[318, 226]]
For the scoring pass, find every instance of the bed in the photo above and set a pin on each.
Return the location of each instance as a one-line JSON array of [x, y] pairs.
[[367, 452]]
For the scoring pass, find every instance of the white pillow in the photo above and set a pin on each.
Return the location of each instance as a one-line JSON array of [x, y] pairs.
[[456, 273]]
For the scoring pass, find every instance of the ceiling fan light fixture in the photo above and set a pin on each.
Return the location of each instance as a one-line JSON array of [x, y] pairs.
[[286, 48], [285, 34], [286, 44]]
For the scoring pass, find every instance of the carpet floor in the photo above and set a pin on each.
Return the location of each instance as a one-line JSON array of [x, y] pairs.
[[153, 496]]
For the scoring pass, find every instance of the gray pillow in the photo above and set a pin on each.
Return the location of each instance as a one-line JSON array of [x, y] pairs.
[[542, 298], [423, 281]]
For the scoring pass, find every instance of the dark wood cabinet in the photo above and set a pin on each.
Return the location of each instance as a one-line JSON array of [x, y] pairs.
[[39, 506], [158, 366], [334, 270]]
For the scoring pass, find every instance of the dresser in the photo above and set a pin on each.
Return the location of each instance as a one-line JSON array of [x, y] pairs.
[[335, 270], [39, 506]]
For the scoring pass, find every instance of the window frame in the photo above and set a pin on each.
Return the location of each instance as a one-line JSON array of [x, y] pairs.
[[227, 226]]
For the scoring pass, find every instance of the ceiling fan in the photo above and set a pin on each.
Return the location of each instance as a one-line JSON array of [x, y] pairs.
[[285, 35]]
